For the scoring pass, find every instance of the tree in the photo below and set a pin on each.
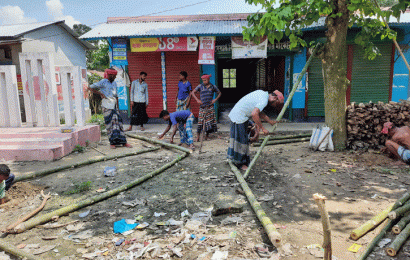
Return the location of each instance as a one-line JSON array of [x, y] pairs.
[[291, 16]]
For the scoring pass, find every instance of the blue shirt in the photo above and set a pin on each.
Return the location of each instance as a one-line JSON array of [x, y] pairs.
[[183, 90], [179, 117], [110, 92], [242, 110], [139, 92], [206, 94]]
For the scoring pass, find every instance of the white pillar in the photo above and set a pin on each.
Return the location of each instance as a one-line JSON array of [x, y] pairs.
[[9, 99], [79, 96], [66, 73]]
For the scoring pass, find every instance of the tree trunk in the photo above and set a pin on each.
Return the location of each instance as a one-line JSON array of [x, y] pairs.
[[334, 73]]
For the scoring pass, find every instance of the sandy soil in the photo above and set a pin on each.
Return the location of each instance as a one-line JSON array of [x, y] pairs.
[[284, 179]]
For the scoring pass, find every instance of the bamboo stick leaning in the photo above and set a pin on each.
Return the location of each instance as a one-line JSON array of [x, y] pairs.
[[285, 106], [75, 165], [273, 234], [327, 239], [76, 206]]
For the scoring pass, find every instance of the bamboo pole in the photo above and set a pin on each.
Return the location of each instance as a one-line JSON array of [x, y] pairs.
[[375, 221], [75, 165], [6, 247], [395, 246], [327, 239], [282, 112], [270, 229], [282, 137], [285, 141], [395, 213], [401, 224], [375, 241], [76, 206], [158, 142]]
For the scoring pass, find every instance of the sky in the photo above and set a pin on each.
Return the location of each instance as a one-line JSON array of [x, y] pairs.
[[93, 12]]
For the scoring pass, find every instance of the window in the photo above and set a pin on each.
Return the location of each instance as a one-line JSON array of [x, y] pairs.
[[229, 78]]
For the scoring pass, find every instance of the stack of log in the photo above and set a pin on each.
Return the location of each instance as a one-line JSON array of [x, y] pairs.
[[364, 122]]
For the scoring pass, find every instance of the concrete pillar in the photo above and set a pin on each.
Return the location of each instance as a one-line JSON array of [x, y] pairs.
[[9, 99]]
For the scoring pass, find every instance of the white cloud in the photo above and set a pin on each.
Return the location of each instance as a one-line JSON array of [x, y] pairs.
[[55, 9], [13, 15]]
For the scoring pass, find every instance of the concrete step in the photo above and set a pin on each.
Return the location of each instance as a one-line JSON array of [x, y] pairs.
[[68, 142], [31, 152]]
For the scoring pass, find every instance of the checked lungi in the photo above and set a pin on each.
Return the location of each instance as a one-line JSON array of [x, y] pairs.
[[185, 133], [238, 151], [182, 104], [113, 124], [207, 115]]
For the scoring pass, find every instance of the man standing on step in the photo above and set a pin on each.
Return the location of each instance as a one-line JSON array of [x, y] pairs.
[[107, 89], [139, 102], [250, 106], [399, 143]]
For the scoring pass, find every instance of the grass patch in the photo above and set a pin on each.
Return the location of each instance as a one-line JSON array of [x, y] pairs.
[[97, 119], [79, 148], [80, 187]]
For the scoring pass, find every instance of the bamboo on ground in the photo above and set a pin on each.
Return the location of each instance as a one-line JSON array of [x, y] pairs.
[[6, 247], [397, 212], [75, 165], [375, 221], [153, 141], [76, 206], [281, 137], [376, 240], [282, 112], [327, 240], [285, 141], [402, 224], [395, 246], [270, 229]]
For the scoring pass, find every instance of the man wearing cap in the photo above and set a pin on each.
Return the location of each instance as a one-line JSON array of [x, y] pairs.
[[107, 89], [399, 142], [250, 106], [206, 108]]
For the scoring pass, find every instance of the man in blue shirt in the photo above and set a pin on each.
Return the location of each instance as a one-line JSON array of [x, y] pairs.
[[183, 97], [183, 120]]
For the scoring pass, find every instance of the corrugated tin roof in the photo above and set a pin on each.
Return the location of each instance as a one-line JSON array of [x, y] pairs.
[[141, 29], [17, 30]]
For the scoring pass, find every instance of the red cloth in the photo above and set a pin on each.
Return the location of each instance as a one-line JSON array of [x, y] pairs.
[[279, 95], [386, 127], [206, 76], [109, 72]]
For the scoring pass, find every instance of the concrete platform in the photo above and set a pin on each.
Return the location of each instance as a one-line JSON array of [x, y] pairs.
[[43, 143]]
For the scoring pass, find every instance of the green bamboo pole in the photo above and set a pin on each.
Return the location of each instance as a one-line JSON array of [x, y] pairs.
[[158, 142], [375, 241], [282, 112], [285, 141], [270, 229], [75, 165], [397, 212], [6, 247], [402, 224], [375, 221], [398, 242], [282, 137], [76, 206]]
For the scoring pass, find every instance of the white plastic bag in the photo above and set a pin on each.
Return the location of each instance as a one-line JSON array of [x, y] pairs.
[[322, 137]]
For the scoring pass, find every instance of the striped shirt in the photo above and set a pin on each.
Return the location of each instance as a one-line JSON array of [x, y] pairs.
[[206, 94], [139, 92]]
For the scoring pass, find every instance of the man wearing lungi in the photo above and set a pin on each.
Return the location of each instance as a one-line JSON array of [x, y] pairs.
[[399, 143], [183, 120], [250, 106], [206, 109], [107, 89], [139, 102], [183, 97]]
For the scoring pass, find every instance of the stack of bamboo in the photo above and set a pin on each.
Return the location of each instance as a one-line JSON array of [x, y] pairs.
[[398, 221], [364, 122]]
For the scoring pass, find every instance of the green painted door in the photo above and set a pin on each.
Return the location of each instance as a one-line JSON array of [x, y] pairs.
[[371, 78]]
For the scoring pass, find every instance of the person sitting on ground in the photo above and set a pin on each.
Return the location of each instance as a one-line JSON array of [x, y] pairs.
[[399, 143], [6, 180], [250, 106], [184, 120], [107, 89]]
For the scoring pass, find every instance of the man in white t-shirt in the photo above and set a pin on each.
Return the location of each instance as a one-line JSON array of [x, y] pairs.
[[250, 106]]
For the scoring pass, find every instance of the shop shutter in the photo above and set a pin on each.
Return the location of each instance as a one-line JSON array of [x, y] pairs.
[[150, 62], [316, 97], [175, 62], [371, 78]]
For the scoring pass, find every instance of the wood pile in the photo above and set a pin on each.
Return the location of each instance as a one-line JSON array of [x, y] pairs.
[[364, 122]]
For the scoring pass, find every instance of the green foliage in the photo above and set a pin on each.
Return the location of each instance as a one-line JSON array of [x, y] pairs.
[[79, 148], [97, 119], [80, 187]]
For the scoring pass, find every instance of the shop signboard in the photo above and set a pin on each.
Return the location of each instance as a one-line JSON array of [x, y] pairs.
[[164, 44], [206, 50], [119, 52], [247, 49]]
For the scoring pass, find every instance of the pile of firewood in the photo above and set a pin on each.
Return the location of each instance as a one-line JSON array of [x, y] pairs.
[[364, 122]]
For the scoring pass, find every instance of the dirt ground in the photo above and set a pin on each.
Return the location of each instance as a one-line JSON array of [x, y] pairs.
[[284, 179]]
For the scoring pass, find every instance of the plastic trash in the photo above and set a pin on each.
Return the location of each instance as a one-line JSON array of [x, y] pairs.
[[122, 226], [202, 216], [119, 242], [84, 214], [159, 214], [110, 171], [185, 213]]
